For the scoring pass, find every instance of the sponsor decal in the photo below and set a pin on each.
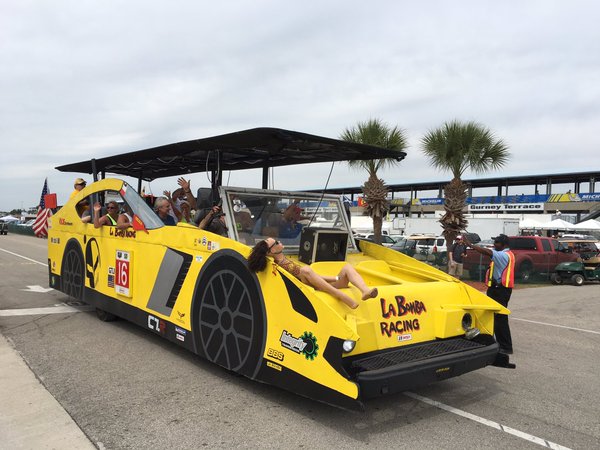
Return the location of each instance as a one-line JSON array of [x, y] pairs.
[[591, 197], [122, 233], [198, 258], [180, 337], [305, 344], [400, 309], [404, 337], [209, 245], [204, 241], [123, 273], [276, 354], [55, 240], [180, 317], [92, 262], [180, 331], [156, 324], [508, 207], [111, 277], [272, 365], [65, 222]]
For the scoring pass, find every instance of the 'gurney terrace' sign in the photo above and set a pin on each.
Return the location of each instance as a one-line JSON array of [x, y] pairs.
[[508, 207]]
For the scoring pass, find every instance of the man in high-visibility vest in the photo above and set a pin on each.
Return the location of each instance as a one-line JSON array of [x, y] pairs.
[[500, 279]]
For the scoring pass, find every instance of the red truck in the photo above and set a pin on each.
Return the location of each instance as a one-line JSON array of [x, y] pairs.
[[533, 254]]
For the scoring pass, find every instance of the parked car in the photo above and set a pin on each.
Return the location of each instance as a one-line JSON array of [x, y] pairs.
[[386, 241], [3, 228], [406, 246], [533, 255]]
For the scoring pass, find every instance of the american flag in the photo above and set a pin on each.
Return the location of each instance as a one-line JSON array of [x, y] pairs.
[[40, 226]]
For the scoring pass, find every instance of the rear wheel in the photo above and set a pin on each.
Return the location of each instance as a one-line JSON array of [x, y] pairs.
[[577, 279], [556, 278], [72, 271], [525, 272]]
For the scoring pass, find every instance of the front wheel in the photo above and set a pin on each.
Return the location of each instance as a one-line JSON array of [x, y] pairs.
[[556, 279], [577, 279], [229, 318]]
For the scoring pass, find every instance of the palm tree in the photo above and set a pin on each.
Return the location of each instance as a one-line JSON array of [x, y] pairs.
[[458, 146], [375, 132]]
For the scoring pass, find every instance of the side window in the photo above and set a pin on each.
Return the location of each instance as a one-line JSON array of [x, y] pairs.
[[546, 245], [440, 242], [523, 244]]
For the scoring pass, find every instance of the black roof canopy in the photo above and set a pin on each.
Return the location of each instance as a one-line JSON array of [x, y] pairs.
[[249, 149]]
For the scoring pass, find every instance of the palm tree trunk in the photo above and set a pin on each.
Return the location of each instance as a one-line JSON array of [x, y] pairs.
[[454, 222]]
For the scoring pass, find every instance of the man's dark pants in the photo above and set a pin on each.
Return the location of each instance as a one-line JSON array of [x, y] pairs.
[[502, 295]]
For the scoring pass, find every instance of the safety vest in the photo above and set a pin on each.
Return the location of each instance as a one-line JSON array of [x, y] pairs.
[[507, 279], [112, 221]]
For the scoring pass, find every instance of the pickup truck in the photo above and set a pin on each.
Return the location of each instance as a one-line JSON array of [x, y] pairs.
[[533, 255]]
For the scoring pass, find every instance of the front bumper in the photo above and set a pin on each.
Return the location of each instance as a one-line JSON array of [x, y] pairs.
[[409, 367]]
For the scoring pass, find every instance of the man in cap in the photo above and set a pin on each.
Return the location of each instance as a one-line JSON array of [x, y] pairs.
[[500, 279], [456, 252], [78, 185]]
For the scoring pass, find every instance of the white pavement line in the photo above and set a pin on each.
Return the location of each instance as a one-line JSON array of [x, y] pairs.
[[63, 309], [487, 422], [25, 257], [557, 326]]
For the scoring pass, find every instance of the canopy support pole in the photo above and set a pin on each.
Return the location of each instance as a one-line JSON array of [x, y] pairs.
[[265, 177], [94, 170]]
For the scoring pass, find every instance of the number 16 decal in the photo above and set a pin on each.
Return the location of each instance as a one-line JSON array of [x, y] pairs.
[[123, 273]]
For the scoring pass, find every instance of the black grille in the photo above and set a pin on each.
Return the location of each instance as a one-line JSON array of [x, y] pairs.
[[414, 353]]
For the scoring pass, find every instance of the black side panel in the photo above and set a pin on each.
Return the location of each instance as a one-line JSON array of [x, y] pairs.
[[164, 328], [280, 376], [300, 303]]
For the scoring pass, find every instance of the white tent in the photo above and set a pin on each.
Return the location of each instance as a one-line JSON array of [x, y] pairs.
[[530, 224], [590, 224], [558, 224], [8, 219]]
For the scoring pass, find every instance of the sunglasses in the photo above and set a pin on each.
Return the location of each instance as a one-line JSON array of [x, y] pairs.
[[274, 244], [111, 207]]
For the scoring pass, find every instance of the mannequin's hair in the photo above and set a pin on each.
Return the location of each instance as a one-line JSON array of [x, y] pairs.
[[257, 261]]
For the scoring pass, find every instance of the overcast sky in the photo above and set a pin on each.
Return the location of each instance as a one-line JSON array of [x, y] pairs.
[[82, 79]]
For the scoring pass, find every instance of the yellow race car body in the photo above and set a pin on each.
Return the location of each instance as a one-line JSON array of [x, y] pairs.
[[194, 288]]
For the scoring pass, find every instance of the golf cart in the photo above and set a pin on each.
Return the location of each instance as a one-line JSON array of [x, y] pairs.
[[586, 268]]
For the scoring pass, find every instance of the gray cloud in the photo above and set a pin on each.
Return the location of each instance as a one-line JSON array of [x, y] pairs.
[[84, 80]]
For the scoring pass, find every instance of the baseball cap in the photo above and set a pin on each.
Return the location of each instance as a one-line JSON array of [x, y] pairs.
[[502, 239], [459, 238]]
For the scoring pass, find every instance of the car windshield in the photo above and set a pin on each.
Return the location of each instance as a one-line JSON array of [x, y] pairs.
[[255, 214], [140, 208]]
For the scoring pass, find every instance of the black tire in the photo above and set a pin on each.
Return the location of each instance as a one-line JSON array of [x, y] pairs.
[[577, 279], [555, 278], [525, 272], [72, 273], [228, 314], [105, 316]]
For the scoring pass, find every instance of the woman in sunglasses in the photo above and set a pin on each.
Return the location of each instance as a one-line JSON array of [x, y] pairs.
[[257, 262], [113, 218]]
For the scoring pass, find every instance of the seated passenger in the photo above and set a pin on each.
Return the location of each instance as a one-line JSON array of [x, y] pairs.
[[162, 209], [257, 262], [214, 221], [125, 219], [110, 219]]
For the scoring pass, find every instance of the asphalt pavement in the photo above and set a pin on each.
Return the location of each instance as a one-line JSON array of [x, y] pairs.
[[68, 380]]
